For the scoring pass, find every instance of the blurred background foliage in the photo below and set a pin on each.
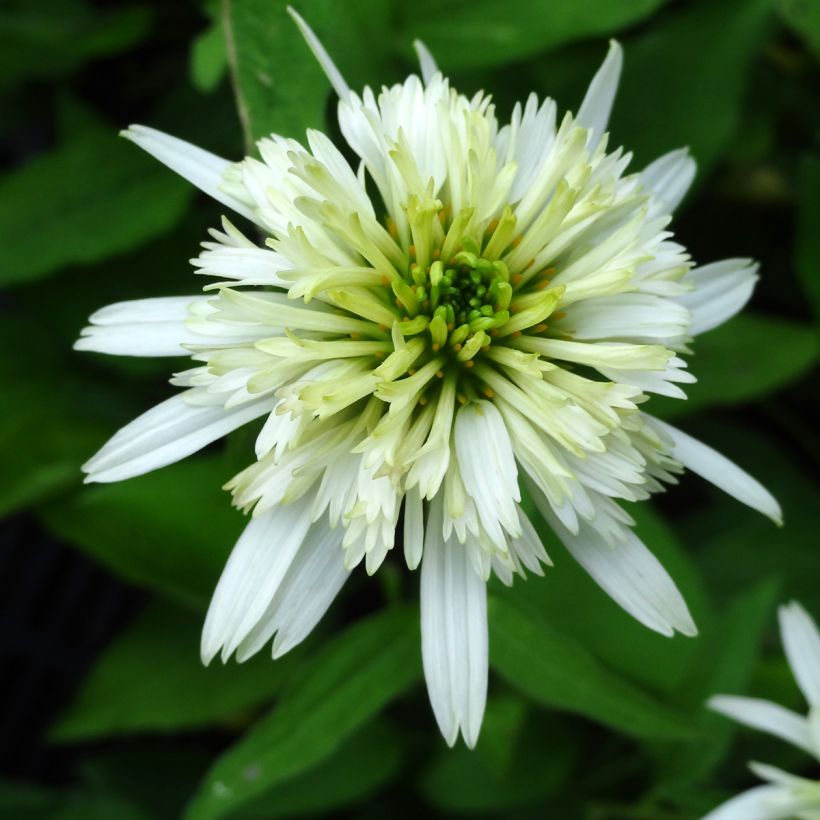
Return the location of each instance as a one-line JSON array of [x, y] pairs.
[[107, 712]]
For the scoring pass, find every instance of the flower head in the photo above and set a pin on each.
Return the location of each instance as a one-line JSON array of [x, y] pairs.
[[467, 307], [784, 795]]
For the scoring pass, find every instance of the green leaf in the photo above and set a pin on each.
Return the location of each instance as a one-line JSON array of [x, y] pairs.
[[557, 671], [22, 801], [90, 805], [803, 17], [49, 424], [361, 765], [170, 530], [732, 366], [738, 548], [26, 801], [684, 79], [53, 37], [808, 237], [280, 87], [725, 666], [347, 683], [481, 33], [151, 679], [209, 61], [89, 200], [40, 458], [172, 765], [467, 782]]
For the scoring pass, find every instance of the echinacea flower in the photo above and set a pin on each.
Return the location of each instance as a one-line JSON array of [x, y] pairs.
[[784, 795], [467, 307]]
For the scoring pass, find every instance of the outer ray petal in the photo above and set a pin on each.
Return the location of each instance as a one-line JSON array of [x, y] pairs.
[[167, 433], [309, 587], [147, 327], [669, 177], [801, 642], [760, 803], [766, 716], [453, 634], [597, 105], [722, 289], [200, 167], [319, 51], [257, 565], [427, 63], [628, 572], [719, 470]]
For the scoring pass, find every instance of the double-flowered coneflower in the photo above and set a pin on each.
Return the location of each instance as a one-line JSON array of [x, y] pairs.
[[466, 309]]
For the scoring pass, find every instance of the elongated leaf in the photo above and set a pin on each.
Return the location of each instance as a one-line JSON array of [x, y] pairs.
[[732, 366], [808, 237], [170, 530], [151, 679], [39, 458], [804, 18], [684, 79], [53, 37], [172, 765], [91, 199], [467, 782], [557, 671], [482, 33], [279, 85], [360, 766], [48, 424], [22, 801], [208, 59], [724, 668], [346, 684], [738, 548], [26, 801]]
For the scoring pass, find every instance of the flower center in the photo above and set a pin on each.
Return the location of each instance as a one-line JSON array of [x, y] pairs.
[[459, 302]]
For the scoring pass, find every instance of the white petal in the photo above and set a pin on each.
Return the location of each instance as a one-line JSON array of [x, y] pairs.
[[766, 716], [487, 466], [427, 63], [628, 572], [162, 309], [801, 641], [628, 316], [276, 434], [258, 563], [597, 105], [142, 327], [453, 634], [528, 547], [669, 178], [200, 167], [759, 803], [328, 66], [167, 433], [721, 290], [413, 527], [716, 468], [309, 587]]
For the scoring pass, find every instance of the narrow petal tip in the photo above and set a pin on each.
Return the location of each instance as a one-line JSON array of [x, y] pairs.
[[328, 66], [688, 628], [427, 63]]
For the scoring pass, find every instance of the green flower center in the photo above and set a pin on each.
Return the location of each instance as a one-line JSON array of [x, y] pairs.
[[459, 302]]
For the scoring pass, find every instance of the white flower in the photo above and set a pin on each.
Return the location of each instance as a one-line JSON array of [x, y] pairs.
[[785, 795], [498, 311]]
